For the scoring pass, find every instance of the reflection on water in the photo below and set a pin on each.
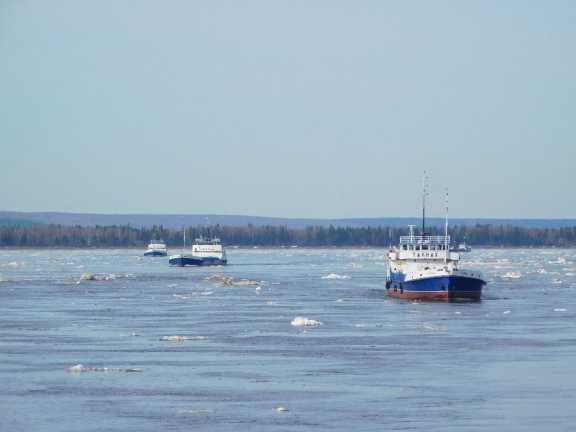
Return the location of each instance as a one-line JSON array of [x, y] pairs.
[[215, 348]]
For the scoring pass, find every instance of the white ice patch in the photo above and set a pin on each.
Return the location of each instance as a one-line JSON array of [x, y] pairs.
[[178, 338], [559, 260], [85, 277], [301, 321], [335, 276], [230, 281], [511, 275], [281, 409], [559, 310], [80, 368]]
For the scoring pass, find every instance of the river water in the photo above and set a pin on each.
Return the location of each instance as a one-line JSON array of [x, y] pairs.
[[146, 347]]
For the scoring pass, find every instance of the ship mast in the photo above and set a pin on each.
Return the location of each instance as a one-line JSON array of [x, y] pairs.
[[424, 193], [446, 245]]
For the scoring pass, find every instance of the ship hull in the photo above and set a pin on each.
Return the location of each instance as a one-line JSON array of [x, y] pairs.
[[184, 260], [154, 253], [442, 288]]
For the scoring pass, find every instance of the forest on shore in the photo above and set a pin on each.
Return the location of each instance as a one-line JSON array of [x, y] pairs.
[[64, 236]]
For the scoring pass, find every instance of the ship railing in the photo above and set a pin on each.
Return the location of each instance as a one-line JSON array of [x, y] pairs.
[[424, 240], [205, 241]]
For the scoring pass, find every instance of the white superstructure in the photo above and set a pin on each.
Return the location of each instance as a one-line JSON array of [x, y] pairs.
[[156, 247], [208, 248]]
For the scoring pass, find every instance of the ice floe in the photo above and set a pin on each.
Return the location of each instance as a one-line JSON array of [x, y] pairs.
[[230, 281], [281, 409], [301, 321], [431, 327], [179, 338], [86, 277], [559, 310], [511, 275], [559, 260], [335, 276], [80, 368]]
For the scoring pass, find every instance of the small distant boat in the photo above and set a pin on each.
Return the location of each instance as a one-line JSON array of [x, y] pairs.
[[205, 252], [462, 247], [156, 248]]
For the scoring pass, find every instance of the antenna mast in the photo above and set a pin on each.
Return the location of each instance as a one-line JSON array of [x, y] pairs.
[[424, 193], [446, 245]]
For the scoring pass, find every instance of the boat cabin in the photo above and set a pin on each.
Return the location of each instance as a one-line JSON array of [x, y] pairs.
[[423, 248]]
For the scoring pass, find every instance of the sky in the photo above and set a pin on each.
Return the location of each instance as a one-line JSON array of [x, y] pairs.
[[300, 108]]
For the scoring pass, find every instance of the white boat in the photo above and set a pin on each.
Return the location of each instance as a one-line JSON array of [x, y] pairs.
[[205, 252], [425, 267], [156, 248]]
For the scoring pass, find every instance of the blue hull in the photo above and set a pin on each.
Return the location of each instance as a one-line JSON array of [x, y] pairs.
[[182, 261], [155, 253], [436, 288]]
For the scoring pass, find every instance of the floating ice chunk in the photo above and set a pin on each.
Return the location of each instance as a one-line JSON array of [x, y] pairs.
[[175, 338], [178, 338], [557, 281], [432, 327], [84, 277], [559, 310], [196, 412], [76, 368], [80, 368], [281, 409], [242, 282], [542, 271], [559, 260], [335, 276], [506, 312], [229, 280], [301, 321], [511, 275]]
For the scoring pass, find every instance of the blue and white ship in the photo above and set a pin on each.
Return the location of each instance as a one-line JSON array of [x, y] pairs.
[[156, 248], [424, 267], [205, 252]]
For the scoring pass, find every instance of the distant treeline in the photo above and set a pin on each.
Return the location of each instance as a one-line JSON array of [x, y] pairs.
[[125, 236]]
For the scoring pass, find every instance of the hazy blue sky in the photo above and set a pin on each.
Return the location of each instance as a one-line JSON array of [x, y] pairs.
[[288, 108]]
